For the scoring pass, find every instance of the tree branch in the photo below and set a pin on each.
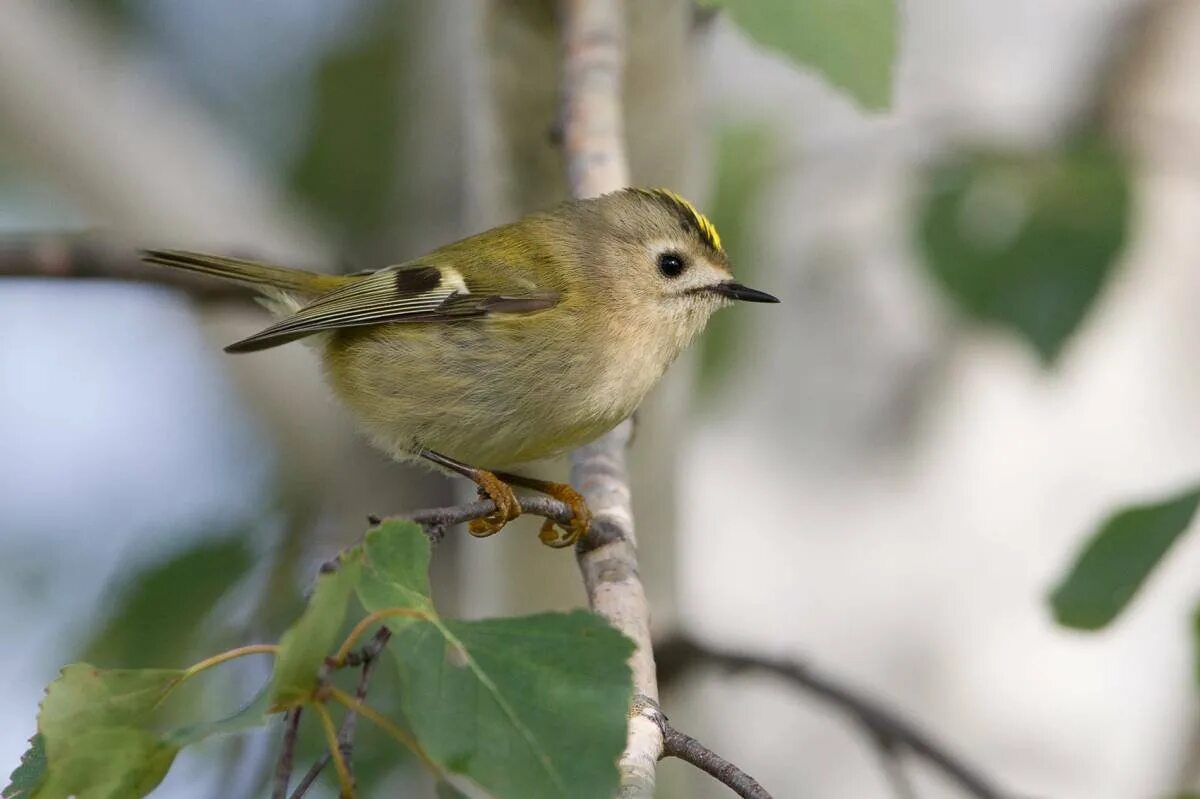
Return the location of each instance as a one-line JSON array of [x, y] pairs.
[[287, 753], [436, 520], [367, 658], [593, 34], [890, 732], [688, 749], [82, 256], [683, 746]]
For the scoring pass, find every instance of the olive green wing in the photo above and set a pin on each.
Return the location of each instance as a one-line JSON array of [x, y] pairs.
[[407, 293]]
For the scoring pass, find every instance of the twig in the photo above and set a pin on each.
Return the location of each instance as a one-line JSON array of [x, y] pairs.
[[367, 658], [310, 776], [436, 520], [688, 749], [80, 256], [593, 141], [287, 754], [680, 654], [349, 723]]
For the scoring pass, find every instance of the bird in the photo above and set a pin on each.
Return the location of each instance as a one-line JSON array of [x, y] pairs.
[[510, 346]]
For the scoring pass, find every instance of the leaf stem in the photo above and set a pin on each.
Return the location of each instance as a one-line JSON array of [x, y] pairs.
[[218, 659], [331, 739], [384, 723], [343, 652]]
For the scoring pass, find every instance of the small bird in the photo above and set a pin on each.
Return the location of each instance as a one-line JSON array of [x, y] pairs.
[[511, 346]]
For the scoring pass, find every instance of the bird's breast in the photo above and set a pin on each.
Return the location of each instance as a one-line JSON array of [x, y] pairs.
[[492, 394]]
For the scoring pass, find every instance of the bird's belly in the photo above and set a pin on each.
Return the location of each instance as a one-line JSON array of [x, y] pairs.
[[450, 388]]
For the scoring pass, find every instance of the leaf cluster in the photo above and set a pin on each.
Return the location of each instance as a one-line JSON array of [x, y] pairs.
[[520, 707]]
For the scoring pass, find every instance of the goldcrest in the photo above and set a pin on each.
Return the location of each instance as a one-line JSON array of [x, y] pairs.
[[513, 345]]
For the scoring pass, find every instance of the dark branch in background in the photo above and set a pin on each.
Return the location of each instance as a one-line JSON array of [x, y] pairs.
[[681, 654], [891, 760], [84, 257], [686, 748]]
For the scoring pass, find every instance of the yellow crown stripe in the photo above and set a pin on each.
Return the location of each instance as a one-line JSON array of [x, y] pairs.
[[707, 230]]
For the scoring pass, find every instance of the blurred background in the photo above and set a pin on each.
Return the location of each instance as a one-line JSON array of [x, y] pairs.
[[988, 340]]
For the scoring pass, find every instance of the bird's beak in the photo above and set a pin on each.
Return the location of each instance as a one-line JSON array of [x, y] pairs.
[[736, 291]]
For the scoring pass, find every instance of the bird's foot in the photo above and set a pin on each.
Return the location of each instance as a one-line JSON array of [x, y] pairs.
[[501, 493], [558, 536], [552, 533]]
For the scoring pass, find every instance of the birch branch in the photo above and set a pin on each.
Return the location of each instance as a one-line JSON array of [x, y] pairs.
[[593, 140]]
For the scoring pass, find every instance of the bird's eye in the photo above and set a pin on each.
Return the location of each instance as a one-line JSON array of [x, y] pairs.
[[671, 264]]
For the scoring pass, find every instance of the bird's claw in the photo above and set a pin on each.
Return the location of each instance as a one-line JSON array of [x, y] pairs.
[[558, 536], [507, 506]]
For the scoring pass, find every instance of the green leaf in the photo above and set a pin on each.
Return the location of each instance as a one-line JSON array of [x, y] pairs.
[[95, 724], [98, 734], [306, 644], [84, 697], [1026, 241], [396, 572], [1118, 559], [154, 618], [851, 42], [527, 708], [29, 774], [254, 714]]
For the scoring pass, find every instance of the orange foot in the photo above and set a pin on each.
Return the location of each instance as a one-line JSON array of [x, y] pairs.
[[553, 534], [499, 492]]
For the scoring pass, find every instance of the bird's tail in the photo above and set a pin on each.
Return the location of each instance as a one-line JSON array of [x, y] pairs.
[[264, 276]]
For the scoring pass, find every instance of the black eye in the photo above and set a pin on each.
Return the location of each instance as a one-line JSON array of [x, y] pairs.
[[671, 264]]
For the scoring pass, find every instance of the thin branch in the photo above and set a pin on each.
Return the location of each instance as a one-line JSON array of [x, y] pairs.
[[436, 520], [367, 658], [79, 256], [688, 749], [593, 34], [680, 654], [350, 722], [287, 754]]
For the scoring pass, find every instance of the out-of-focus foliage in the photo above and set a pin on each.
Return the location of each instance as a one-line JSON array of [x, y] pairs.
[[120, 14], [524, 707], [1118, 559], [745, 163], [348, 165], [154, 619], [851, 42], [1027, 241]]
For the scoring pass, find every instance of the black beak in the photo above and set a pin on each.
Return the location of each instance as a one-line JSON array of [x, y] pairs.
[[736, 291]]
